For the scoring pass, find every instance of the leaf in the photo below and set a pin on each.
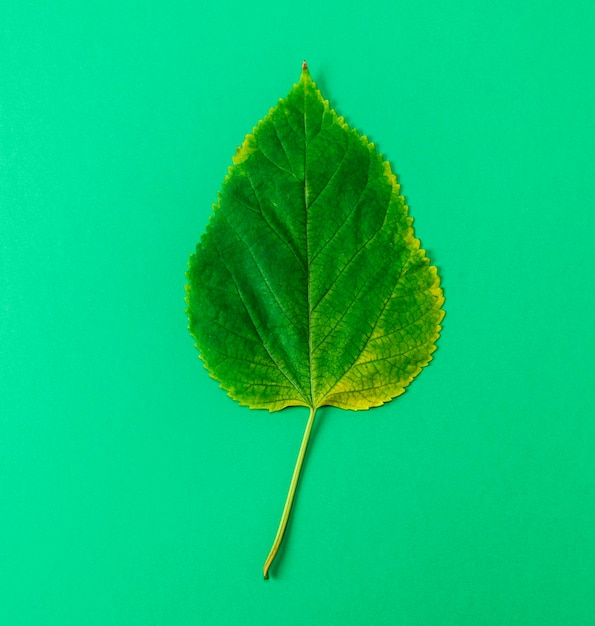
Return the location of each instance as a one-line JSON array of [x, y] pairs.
[[309, 287]]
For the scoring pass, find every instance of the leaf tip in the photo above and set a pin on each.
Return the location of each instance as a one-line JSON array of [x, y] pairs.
[[304, 66]]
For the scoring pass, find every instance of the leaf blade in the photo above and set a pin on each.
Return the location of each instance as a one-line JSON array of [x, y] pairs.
[[311, 252]]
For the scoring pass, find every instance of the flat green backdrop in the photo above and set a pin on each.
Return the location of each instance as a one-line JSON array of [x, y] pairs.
[[132, 490]]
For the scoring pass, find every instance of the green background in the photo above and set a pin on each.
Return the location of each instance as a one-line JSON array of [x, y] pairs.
[[132, 490]]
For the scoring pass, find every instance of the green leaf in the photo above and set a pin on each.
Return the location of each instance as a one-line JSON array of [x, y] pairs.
[[309, 286]]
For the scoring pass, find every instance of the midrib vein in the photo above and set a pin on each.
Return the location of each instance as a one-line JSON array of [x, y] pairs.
[[307, 221]]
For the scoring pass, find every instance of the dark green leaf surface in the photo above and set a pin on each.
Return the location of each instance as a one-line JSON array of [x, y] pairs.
[[309, 286]]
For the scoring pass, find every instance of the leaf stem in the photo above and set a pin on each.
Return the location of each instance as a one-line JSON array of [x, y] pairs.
[[290, 495]]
